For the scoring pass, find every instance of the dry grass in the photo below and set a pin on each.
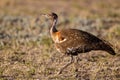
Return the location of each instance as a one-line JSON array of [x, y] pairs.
[[27, 51]]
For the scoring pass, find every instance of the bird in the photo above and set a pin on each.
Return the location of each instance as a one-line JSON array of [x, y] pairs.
[[73, 41]]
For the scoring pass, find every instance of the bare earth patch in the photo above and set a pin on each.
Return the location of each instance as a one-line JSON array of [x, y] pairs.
[[28, 53]]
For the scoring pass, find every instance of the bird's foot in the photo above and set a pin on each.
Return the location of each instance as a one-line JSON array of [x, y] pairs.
[[65, 66]]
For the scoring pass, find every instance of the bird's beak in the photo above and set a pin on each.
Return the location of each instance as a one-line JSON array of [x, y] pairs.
[[46, 15]]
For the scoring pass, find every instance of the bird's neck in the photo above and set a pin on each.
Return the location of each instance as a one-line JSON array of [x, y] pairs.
[[53, 28]]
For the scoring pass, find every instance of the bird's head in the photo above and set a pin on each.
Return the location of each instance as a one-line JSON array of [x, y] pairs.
[[51, 16]]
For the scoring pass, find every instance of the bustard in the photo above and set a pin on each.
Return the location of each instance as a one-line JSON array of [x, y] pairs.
[[72, 41]]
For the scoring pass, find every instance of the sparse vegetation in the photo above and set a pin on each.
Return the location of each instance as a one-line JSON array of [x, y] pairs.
[[27, 51]]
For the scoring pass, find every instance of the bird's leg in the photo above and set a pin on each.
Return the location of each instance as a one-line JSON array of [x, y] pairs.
[[71, 61], [76, 65]]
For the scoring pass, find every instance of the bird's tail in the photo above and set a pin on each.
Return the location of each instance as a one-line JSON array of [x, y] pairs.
[[109, 48], [105, 46]]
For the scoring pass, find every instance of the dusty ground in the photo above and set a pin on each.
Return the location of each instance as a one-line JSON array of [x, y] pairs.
[[27, 51]]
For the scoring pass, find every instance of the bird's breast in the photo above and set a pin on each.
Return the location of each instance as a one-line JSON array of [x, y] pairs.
[[57, 37]]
